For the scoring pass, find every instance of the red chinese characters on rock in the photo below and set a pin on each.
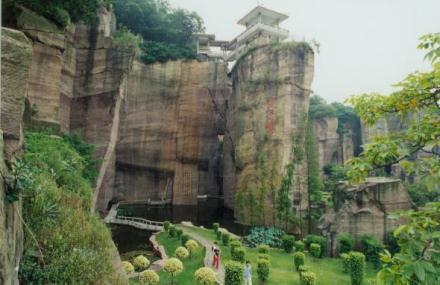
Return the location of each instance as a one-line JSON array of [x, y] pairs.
[[270, 115]]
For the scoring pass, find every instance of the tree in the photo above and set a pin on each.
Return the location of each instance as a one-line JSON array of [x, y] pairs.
[[417, 101], [173, 266]]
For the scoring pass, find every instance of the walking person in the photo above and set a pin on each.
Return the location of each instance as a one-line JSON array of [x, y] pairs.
[[247, 273], [216, 256]]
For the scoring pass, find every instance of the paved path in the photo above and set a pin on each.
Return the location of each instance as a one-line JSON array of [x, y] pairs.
[[208, 256]]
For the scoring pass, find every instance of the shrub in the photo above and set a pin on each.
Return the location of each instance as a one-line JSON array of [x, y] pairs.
[[172, 231], [149, 277], [215, 227], [322, 241], [233, 273], [346, 243], [141, 263], [371, 248], [263, 248], [192, 246], [299, 259], [315, 250], [166, 225], [205, 276], [303, 269], [179, 233], [263, 269], [234, 244], [263, 256], [128, 267], [173, 266], [270, 236], [307, 278], [225, 238], [219, 235], [239, 254], [357, 266], [392, 244], [288, 242], [123, 37], [184, 238], [299, 246], [181, 252], [345, 257]]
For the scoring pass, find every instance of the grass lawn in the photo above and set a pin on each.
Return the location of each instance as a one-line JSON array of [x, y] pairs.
[[190, 265], [328, 270]]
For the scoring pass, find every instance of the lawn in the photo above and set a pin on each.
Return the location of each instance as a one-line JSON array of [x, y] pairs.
[[328, 270], [190, 264]]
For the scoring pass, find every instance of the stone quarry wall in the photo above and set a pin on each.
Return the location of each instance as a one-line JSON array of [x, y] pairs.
[[16, 58], [365, 209], [266, 114], [171, 119]]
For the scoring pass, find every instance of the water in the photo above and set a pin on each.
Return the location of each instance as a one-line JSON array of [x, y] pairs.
[[204, 214]]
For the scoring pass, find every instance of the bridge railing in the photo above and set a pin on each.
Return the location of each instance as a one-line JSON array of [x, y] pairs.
[[140, 220]]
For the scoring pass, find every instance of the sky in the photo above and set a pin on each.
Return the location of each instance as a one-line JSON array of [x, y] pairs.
[[365, 45]]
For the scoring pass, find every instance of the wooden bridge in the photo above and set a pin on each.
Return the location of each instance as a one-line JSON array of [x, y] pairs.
[[140, 223]]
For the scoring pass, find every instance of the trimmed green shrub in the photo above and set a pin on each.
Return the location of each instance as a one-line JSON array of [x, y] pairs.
[[307, 278], [263, 248], [181, 252], [128, 267], [179, 233], [322, 241], [173, 266], [303, 269], [239, 254], [225, 238], [345, 257], [149, 277], [205, 276], [166, 225], [172, 231], [141, 263], [299, 258], [192, 246], [219, 235], [215, 227], [299, 245], [233, 244], [371, 248], [357, 267], [263, 269], [288, 242], [346, 243], [184, 238], [270, 236], [315, 250], [233, 273], [263, 256]]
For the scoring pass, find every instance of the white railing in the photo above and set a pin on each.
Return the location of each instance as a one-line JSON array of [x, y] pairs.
[[139, 220], [273, 30]]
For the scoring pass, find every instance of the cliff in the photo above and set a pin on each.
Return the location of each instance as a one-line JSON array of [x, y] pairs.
[[16, 60], [266, 119]]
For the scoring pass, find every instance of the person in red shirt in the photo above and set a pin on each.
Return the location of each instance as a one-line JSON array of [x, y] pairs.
[[216, 256]]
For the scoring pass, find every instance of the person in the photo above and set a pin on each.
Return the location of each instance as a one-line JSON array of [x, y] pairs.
[[247, 273], [216, 256]]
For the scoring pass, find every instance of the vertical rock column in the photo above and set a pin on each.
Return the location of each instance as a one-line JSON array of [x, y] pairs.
[[265, 121], [16, 60]]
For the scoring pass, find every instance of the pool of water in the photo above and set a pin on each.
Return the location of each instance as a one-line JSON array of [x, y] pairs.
[[204, 214]]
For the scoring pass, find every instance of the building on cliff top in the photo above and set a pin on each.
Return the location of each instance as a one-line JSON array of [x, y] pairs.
[[262, 27]]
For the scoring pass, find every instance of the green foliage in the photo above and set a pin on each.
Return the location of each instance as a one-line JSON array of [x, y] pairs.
[[284, 204], [234, 244], [205, 276], [307, 278], [299, 245], [56, 209], [233, 273], [218, 235], [166, 225], [431, 43], [288, 242], [225, 238], [263, 269], [318, 108], [181, 252], [421, 194], [173, 266], [172, 231], [184, 238], [263, 256], [392, 244], [315, 250], [149, 277], [357, 267], [192, 246], [416, 102], [299, 259], [215, 227], [346, 243], [263, 248], [259, 235], [239, 254], [141, 263], [322, 241], [124, 38], [345, 258], [372, 248], [128, 267], [418, 261], [179, 233], [163, 52]]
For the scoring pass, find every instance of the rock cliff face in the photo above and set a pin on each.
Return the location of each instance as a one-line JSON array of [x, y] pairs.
[[171, 119], [266, 119], [365, 209], [16, 60]]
